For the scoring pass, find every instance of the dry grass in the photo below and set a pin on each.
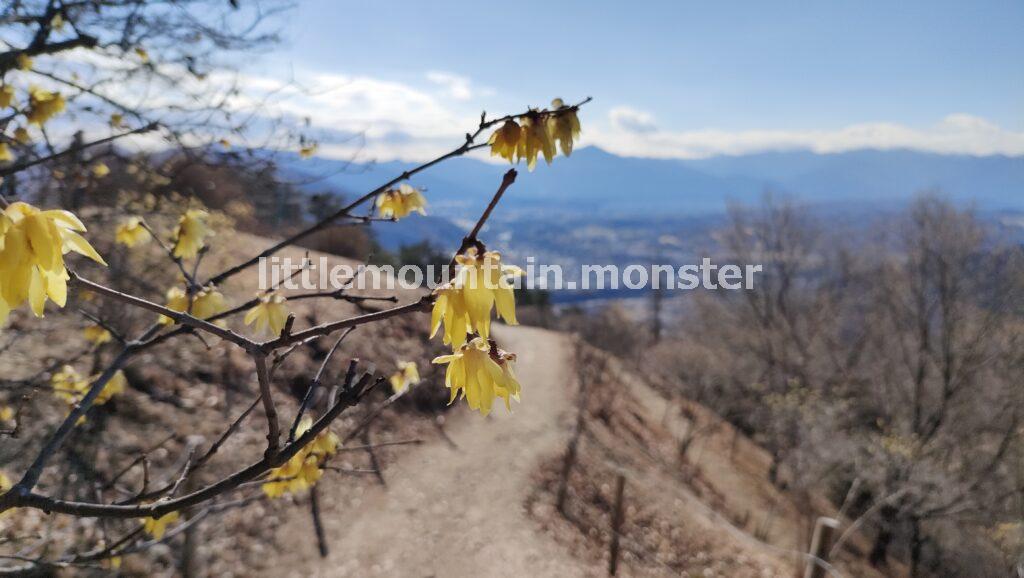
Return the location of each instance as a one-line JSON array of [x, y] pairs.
[[711, 512], [186, 392]]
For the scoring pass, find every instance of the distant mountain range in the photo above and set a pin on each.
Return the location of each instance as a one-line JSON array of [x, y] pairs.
[[599, 208], [594, 182]]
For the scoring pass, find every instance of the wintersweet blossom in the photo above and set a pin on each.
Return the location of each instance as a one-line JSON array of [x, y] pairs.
[[563, 127], [5, 153], [398, 203], [269, 315], [156, 527], [72, 387], [97, 334], [131, 232], [537, 133], [5, 485], [480, 373], [481, 283], [190, 234], [406, 375], [535, 140], [302, 471], [505, 141], [205, 303], [43, 105], [208, 302], [6, 95], [32, 248], [450, 310]]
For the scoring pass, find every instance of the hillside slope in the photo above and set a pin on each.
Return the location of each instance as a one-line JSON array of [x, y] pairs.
[[483, 509], [456, 512]]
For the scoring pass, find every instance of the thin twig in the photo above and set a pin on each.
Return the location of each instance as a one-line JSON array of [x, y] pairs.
[[227, 433], [273, 427], [178, 316], [348, 399], [18, 167], [315, 384]]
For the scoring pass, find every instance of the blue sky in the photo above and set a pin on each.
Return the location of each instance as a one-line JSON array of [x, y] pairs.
[[689, 78]]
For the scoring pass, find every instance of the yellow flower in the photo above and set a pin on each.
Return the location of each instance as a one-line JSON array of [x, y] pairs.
[[57, 22], [6, 95], [269, 315], [5, 484], [116, 120], [308, 151], [480, 375], [97, 334], [43, 105], [564, 127], [205, 304], [225, 143], [131, 232], [302, 471], [32, 248], [6, 413], [24, 62], [156, 527], [177, 300], [535, 140], [143, 55], [505, 141], [115, 386], [450, 309], [190, 233], [398, 203], [100, 170], [406, 375], [5, 153], [112, 563], [21, 135], [70, 386], [481, 283]]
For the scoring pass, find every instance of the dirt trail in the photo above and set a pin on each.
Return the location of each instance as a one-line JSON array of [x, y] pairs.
[[454, 513]]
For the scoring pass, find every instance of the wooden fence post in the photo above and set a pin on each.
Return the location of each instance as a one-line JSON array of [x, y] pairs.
[[567, 465], [577, 433], [617, 518], [821, 543]]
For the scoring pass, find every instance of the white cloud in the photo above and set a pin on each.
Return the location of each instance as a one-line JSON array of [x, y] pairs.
[[398, 120], [392, 119], [631, 120], [955, 134], [456, 86]]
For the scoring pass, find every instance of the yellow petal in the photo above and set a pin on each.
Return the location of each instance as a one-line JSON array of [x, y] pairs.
[[79, 245], [37, 293], [57, 288], [505, 301]]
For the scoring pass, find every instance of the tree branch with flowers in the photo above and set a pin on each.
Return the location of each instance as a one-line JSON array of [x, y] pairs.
[[45, 93], [34, 271]]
